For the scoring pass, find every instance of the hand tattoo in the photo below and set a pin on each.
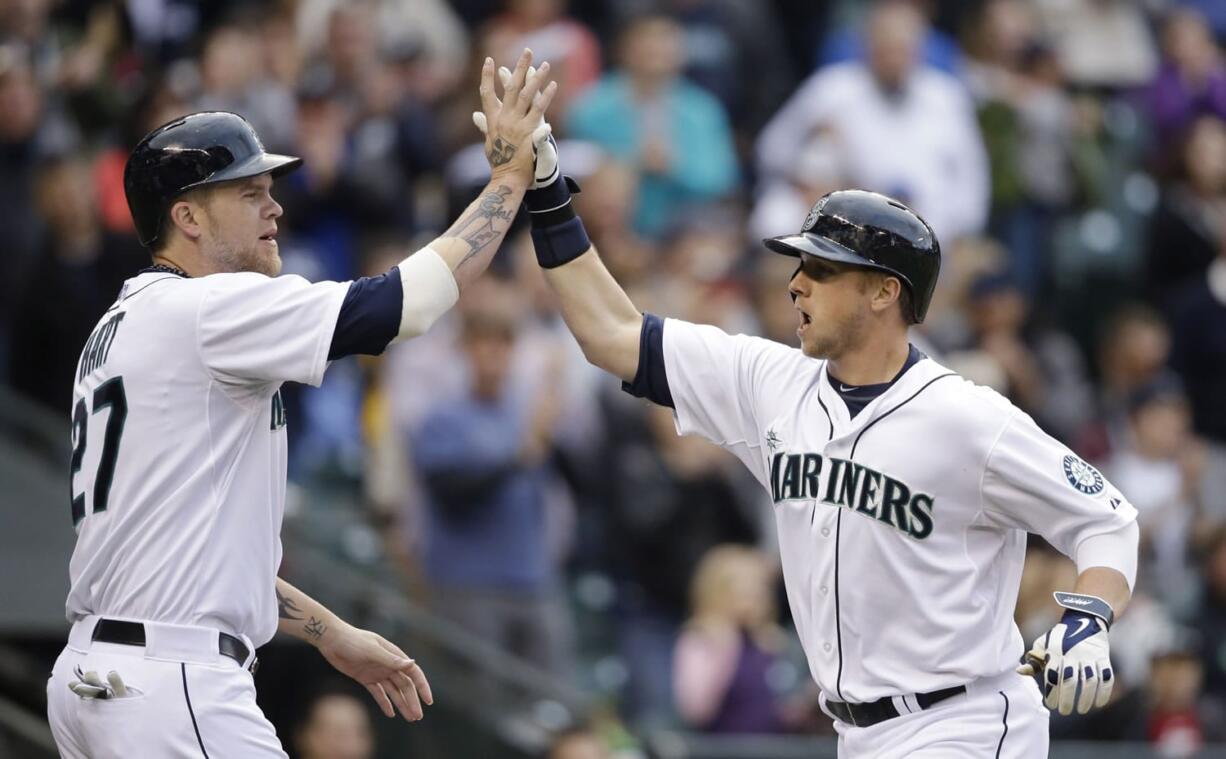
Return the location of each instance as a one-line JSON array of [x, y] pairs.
[[286, 607], [315, 628], [500, 152]]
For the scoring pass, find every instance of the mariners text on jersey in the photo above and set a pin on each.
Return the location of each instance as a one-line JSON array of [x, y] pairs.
[[796, 476]]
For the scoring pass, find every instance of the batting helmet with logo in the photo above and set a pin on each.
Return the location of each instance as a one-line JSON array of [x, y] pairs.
[[193, 151], [870, 230]]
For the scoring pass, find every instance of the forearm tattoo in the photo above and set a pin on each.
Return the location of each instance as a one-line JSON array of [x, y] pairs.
[[315, 629], [485, 224], [500, 152], [286, 607]]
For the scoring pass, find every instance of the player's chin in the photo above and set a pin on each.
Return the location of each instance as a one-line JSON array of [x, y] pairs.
[[266, 258], [812, 348]]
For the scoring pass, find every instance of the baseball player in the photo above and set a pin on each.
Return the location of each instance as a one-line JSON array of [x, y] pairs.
[[179, 442], [902, 492]]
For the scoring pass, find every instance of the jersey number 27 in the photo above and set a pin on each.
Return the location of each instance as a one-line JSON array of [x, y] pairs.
[[110, 395]]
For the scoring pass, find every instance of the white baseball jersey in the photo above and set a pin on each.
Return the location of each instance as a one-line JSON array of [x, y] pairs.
[[902, 531], [179, 446]]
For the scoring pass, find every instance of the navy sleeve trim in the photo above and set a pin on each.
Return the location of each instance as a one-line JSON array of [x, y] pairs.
[[651, 380], [370, 316]]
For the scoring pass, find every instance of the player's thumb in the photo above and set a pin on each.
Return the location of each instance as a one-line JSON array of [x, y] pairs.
[[479, 120]]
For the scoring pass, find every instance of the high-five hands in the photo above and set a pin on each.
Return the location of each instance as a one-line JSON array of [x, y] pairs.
[[515, 125], [545, 149]]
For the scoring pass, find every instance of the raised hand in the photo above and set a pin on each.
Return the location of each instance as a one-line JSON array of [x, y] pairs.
[[512, 122], [544, 147]]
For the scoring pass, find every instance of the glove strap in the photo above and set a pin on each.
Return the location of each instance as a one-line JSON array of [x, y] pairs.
[[1083, 604], [557, 231]]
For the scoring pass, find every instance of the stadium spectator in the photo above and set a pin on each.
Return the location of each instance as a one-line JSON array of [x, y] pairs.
[[1044, 371], [577, 743], [729, 644], [1028, 126], [937, 48], [233, 79], [1210, 619], [1160, 470], [1199, 348], [77, 275], [337, 726], [901, 127], [1101, 44], [732, 50], [484, 462], [1132, 350], [667, 501], [1189, 226], [1192, 79], [675, 135], [429, 29], [545, 27]]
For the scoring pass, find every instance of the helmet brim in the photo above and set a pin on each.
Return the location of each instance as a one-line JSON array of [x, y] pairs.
[[816, 245], [262, 163]]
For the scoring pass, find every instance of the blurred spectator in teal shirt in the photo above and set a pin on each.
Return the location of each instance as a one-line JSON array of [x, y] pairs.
[[675, 134]]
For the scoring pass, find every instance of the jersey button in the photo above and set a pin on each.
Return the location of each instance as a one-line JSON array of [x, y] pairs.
[[827, 646], [825, 589], [825, 532]]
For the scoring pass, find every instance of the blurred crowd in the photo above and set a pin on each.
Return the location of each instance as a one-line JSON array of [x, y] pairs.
[[1070, 154]]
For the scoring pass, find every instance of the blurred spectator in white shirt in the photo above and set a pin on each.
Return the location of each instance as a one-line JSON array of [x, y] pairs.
[[1100, 43], [902, 128], [1159, 468]]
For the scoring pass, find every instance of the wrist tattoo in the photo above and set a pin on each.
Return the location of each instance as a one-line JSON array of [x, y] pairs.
[[500, 152], [315, 629], [485, 224], [286, 607]]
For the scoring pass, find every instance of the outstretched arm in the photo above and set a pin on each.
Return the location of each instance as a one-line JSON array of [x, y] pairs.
[[392, 678], [598, 313]]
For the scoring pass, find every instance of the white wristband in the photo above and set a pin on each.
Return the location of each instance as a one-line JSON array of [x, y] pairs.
[[430, 290]]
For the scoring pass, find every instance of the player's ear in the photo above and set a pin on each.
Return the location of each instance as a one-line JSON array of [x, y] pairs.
[[186, 216], [886, 293]]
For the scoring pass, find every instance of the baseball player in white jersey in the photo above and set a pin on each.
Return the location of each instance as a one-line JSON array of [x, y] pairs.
[[902, 492], [179, 443]]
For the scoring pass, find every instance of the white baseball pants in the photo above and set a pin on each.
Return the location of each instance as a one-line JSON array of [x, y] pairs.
[[186, 699]]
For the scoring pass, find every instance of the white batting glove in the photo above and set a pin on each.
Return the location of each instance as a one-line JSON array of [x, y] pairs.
[[1071, 662], [88, 685], [543, 144]]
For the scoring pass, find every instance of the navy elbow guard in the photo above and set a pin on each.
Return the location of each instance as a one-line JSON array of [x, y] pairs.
[[651, 380], [558, 235]]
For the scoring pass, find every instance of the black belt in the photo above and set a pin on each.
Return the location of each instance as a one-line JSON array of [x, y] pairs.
[[872, 712], [133, 634]]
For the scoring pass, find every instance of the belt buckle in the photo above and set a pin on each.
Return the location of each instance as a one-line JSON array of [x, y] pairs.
[[255, 664]]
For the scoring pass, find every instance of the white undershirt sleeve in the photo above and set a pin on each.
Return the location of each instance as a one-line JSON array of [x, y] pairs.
[[1116, 550]]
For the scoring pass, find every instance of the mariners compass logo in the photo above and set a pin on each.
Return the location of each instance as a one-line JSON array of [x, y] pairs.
[[1082, 476], [772, 440]]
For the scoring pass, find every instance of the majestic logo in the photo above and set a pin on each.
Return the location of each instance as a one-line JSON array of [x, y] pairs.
[[1082, 476], [798, 476]]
